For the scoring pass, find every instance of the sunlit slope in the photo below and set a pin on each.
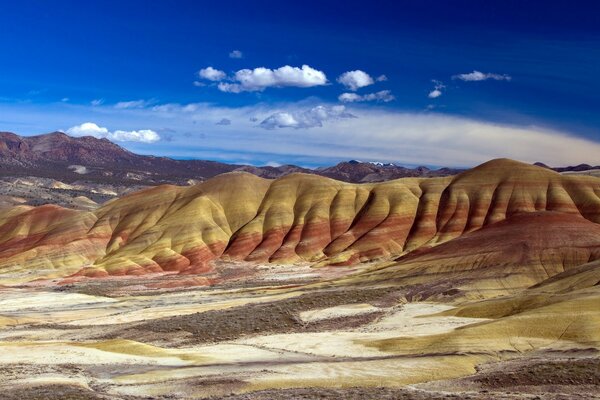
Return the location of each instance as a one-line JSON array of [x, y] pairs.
[[170, 228], [510, 255], [48, 241], [559, 313], [302, 218]]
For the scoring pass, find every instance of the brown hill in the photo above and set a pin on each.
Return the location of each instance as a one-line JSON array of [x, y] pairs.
[[511, 218], [59, 156]]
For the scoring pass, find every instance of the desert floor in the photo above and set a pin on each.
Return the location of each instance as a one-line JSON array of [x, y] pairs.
[[256, 337]]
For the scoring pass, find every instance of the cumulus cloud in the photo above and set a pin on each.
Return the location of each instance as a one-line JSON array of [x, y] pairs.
[[356, 79], [434, 94], [480, 76], [211, 74], [92, 129], [88, 129], [224, 121], [437, 90], [258, 79], [383, 95], [311, 118], [236, 54], [143, 135]]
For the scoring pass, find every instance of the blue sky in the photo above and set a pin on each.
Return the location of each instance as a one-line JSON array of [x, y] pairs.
[[428, 82]]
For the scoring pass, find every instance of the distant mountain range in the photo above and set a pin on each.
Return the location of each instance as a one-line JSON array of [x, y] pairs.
[[59, 156], [573, 168]]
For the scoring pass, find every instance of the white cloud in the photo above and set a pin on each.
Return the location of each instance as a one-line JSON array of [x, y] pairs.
[[258, 79], [349, 97], [480, 76], [381, 78], [97, 102], [92, 129], [383, 95], [354, 80], [280, 120], [314, 117], [88, 129], [143, 135], [437, 89], [132, 104], [434, 94], [231, 87], [236, 54], [211, 74], [64, 99]]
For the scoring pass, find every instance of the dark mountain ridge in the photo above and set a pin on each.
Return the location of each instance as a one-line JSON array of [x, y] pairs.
[[59, 156]]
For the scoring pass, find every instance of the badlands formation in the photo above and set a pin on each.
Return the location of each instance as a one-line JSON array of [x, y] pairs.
[[485, 284]]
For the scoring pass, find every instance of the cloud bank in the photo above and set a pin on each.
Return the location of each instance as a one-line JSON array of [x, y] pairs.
[[310, 133]]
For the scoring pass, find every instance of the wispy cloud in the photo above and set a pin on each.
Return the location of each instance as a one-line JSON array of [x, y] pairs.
[[97, 102], [437, 89], [133, 104], [236, 54], [481, 76], [224, 121], [314, 117], [383, 95]]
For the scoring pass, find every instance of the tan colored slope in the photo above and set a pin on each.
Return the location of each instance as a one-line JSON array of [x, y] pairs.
[[508, 256], [47, 241], [170, 228], [500, 188], [560, 313], [296, 218], [573, 323], [576, 283]]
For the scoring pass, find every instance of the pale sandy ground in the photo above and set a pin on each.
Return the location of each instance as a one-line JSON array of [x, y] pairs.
[[32, 352], [262, 360], [405, 320]]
